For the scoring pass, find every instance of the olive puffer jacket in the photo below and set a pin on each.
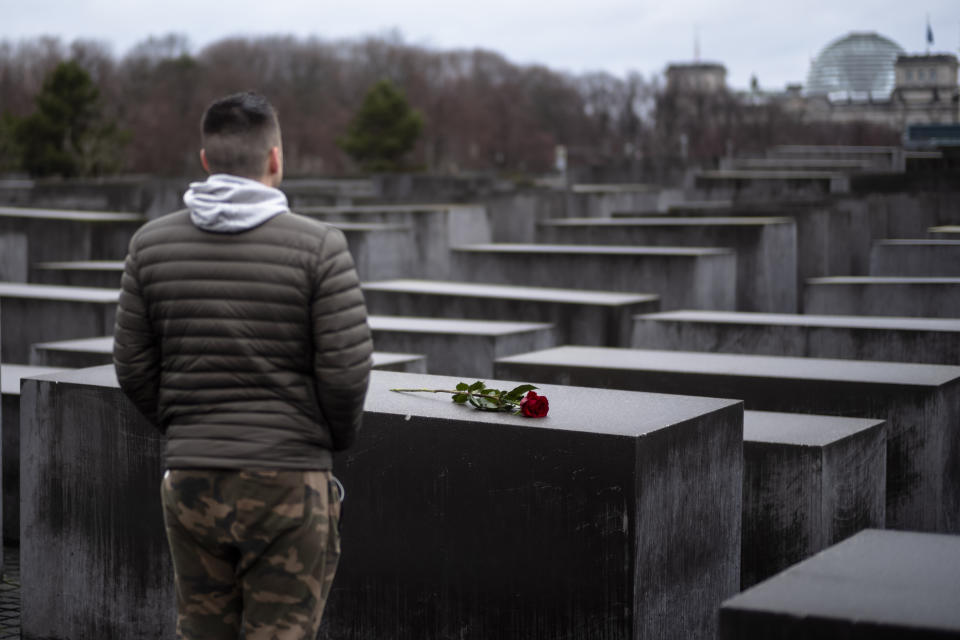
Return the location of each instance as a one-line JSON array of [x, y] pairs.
[[249, 349]]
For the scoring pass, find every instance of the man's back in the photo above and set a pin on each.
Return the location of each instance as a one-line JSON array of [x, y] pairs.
[[264, 347]]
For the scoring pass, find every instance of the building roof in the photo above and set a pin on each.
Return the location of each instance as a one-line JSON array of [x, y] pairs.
[[927, 59], [856, 64], [696, 66]]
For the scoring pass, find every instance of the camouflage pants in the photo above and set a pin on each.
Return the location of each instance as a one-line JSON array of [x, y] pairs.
[[256, 549]]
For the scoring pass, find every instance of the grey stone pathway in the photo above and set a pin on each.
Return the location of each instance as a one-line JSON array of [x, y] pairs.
[[10, 594]]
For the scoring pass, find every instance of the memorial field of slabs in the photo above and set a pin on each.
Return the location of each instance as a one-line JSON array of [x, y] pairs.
[[754, 394]]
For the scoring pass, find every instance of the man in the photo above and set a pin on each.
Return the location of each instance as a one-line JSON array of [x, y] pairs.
[[242, 334]]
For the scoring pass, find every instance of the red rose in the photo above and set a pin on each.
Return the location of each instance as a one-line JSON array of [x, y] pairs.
[[534, 406]]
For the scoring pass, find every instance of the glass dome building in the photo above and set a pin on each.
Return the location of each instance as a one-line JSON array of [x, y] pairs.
[[858, 65]]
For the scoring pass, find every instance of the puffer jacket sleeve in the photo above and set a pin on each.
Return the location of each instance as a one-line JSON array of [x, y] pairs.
[[343, 346], [136, 349]]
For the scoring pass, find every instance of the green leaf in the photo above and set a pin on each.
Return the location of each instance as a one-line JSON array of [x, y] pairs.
[[462, 386], [518, 392], [486, 404], [477, 386], [460, 398]]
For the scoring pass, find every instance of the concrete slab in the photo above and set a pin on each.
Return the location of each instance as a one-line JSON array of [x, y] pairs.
[[767, 174], [381, 250], [30, 213], [601, 200], [405, 362], [150, 196], [915, 258], [694, 207], [93, 554], [683, 277], [32, 313], [883, 296], [514, 214], [10, 377], [459, 347], [12, 374], [425, 248], [833, 236], [909, 214], [766, 248], [582, 523], [920, 402], [44, 235], [94, 352], [809, 482], [769, 185], [894, 339], [104, 274], [581, 317], [302, 192], [831, 165], [19, 290], [73, 354], [945, 231], [877, 584], [878, 158]]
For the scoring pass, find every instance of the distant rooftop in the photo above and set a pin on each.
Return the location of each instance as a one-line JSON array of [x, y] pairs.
[[930, 57], [697, 66], [856, 64]]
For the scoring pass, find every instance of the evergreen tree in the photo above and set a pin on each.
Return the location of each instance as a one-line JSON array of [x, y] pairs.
[[383, 130], [66, 134], [9, 152]]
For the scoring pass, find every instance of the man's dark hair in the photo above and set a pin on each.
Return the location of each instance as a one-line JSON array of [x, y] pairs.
[[237, 133]]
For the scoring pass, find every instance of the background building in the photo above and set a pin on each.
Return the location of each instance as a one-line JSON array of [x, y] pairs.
[[858, 66], [860, 77], [866, 77], [705, 77], [926, 90]]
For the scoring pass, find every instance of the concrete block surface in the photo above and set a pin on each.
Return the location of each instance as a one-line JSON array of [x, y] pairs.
[[381, 250], [892, 339], [877, 584], [459, 347], [31, 313], [683, 277], [766, 248], [581, 317], [770, 185], [406, 362], [31, 235], [10, 377], [809, 482], [93, 553], [94, 352], [945, 232], [491, 523], [105, 274], [915, 258], [920, 403], [883, 296], [423, 248]]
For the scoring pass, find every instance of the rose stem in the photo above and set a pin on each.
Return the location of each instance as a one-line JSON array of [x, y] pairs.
[[469, 393]]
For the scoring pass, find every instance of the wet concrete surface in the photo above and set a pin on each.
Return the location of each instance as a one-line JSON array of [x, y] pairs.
[[10, 594]]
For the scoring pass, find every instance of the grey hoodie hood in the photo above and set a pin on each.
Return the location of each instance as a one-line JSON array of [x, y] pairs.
[[230, 204]]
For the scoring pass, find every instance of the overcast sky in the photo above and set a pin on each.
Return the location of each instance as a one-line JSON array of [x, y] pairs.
[[773, 39]]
